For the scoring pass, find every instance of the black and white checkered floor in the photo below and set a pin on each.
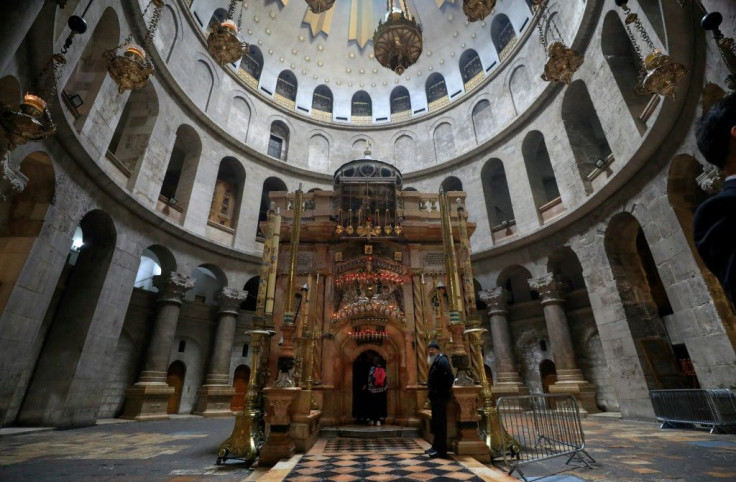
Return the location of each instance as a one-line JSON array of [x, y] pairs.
[[386, 459]]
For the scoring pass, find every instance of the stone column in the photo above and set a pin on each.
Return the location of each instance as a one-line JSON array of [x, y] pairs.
[[508, 381], [569, 377], [148, 399], [214, 397]]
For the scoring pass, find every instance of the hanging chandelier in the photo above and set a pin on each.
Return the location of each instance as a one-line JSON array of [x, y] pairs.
[[397, 41], [320, 6], [223, 42], [478, 9], [658, 73], [33, 122], [562, 61], [132, 69]]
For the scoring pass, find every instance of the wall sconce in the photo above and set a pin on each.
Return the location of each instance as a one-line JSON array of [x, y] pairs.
[[172, 200], [504, 222], [76, 100], [600, 163]]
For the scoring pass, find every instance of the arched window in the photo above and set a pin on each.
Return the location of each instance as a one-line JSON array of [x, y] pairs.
[[134, 129], [436, 91], [584, 131], [218, 16], [503, 35], [178, 183], [83, 86], [624, 64], [251, 66], [470, 67], [496, 193], [451, 183], [539, 169], [278, 142], [286, 86], [226, 199], [361, 107], [271, 184], [322, 102], [400, 103]]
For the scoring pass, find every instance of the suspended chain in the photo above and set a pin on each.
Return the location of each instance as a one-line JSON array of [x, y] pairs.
[[540, 8], [155, 18], [231, 9]]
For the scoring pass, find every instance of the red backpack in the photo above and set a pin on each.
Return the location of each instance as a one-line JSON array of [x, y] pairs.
[[379, 377]]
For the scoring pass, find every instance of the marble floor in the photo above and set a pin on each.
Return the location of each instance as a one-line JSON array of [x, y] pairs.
[[184, 449]]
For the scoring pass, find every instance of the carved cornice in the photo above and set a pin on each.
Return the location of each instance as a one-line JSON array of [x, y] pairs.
[[496, 299], [173, 286], [230, 300], [550, 288]]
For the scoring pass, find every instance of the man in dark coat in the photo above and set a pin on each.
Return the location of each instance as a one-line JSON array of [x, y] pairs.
[[439, 383], [714, 224]]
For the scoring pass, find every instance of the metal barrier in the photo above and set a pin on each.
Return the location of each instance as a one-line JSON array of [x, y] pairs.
[[715, 408], [542, 427]]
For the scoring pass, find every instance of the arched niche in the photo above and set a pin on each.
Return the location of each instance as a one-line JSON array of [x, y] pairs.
[[451, 183], [271, 184], [515, 279], [482, 120], [496, 193], [65, 371], [539, 169], [644, 301], [210, 279], [520, 87], [130, 141], [203, 83], [178, 183], [584, 131], [167, 33], [238, 118], [85, 81], [623, 61], [319, 153], [405, 152], [444, 142], [252, 286], [227, 198]]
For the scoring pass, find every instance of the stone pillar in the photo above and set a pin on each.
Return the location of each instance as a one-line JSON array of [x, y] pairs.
[[508, 381], [569, 377], [148, 399], [214, 397]]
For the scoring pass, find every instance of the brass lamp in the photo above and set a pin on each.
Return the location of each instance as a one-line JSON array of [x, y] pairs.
[[320, 6], [223, 42], [726, 46], [132, 69], [397, 41], [658, 73], [32, 121], [478, 9], [562, 61]]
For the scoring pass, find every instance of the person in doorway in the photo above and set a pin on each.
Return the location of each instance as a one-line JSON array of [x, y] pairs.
[[714, 223], [377, 386], [439, 384]]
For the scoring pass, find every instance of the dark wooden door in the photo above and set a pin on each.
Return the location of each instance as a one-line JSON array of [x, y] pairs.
[[240, 384], [175, 378]]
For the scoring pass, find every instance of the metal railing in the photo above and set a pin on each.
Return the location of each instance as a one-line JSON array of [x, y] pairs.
[[714, 408], [541, 427]]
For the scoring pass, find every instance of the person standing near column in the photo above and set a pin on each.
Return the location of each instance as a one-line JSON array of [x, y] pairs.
[[439, 384]]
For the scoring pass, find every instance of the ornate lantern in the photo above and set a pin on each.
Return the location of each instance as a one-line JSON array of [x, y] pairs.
[[33, 122], [658, 73], [223, 42], [132, 69], [397, 41], [562, 62], [320, 6], [478, 9]]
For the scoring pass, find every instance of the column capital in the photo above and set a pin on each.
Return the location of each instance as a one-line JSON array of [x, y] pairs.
[[550, 288], [230, 300], [172, 286], [497, 299]]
